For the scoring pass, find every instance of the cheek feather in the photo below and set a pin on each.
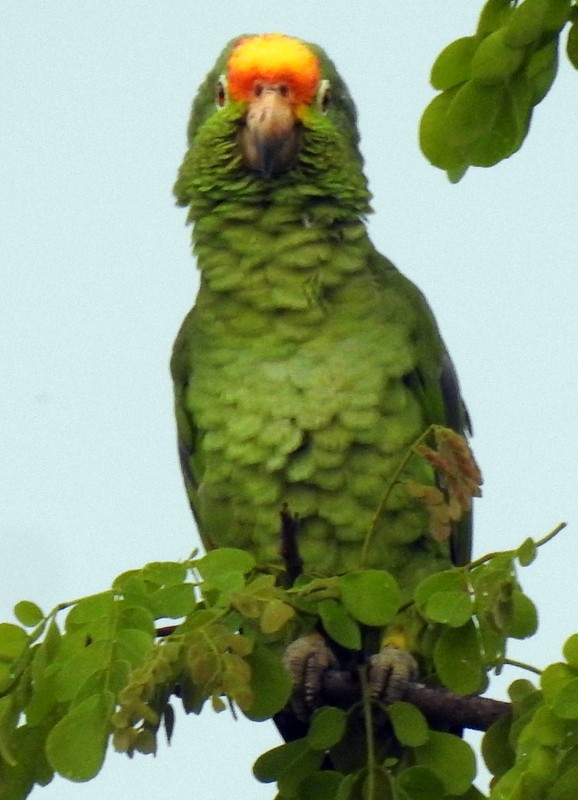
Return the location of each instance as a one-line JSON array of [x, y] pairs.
[[273, 59]]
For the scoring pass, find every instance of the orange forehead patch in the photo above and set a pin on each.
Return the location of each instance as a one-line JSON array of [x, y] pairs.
[[273, 58]]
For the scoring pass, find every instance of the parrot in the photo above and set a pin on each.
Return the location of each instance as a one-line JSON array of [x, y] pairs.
[[309, 364]]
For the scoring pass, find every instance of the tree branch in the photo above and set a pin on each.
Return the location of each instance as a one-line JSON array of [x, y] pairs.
[[341, 688]]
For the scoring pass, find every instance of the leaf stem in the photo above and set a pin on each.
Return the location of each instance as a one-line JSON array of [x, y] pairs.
[[368, 723], [559, 527], [511, 662], [511, 553], [409, 454]]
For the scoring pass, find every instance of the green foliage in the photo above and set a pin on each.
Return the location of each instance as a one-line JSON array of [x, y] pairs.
[[534, 751], [103, 668], [490, 82]]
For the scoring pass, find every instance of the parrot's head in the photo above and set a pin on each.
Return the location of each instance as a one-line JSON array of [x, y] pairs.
[[272, 113]]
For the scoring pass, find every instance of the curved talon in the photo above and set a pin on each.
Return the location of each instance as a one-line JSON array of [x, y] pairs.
[[390, 671], [307, 659]]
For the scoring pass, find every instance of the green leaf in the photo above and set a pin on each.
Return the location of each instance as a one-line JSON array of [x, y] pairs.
[[496, 747], [524, 622], [371, 596], [133, 645], [275, 615], [9, 714], [339, 625], [227, 583], [452, 608], [377, 784], [495, 13], [95, 613], [270, 682], [327, 728], [130, 582], [269, 766], [421, 783], [5, 676], [455, 175], [442, 750], [320, 786], [565, 787], [13, 641], [509, 127], [520, 689], [409, 724], [527, 552], [557, 15], [458, 659], [526, 23], [225, 559], [449, 580], [572, 45], [29, 614], [494, 61], [433, 138], [137, 617], [547, 728], [472, 112], [165, 573], [292, 778], [30, 765], [76, 746], [452, 66], [75, 671], [571, 650], [542, 69], [553, 679], [566, 702], [173, 601]]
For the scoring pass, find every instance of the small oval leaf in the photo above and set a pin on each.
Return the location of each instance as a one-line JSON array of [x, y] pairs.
[[409, 724], [76, 746], [28, 613], [339, 625], [371, 596]]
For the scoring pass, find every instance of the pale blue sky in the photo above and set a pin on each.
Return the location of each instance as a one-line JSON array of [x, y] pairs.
[[97, 275]]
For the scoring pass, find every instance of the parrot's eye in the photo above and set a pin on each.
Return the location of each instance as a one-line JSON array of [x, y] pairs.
[[324, 96], [221, 92]]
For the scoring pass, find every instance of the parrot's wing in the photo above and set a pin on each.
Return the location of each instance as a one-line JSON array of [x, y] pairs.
[[187, 433], [433, 379], [457, 417]]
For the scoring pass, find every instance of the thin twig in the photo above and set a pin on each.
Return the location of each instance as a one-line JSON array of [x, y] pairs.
[[289, 547]]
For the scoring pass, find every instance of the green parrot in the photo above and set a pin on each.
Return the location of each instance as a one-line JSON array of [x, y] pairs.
[[309, 365]]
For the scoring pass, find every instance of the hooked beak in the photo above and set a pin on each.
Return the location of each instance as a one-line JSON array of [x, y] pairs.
[[269, 140]]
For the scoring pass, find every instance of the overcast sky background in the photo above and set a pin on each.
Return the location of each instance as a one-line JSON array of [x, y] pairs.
[[96, 275]]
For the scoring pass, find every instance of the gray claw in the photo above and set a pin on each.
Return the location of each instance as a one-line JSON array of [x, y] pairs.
[[390, 671], [307, 659]]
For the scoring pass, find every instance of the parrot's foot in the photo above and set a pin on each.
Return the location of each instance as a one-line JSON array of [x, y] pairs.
[[390, 671], [307, 659]]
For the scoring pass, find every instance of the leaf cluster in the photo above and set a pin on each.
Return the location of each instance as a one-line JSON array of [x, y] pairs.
[[106, 668], [534, 751], [490, 82]]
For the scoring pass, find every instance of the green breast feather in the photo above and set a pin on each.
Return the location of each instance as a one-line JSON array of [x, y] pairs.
[[309, 364]]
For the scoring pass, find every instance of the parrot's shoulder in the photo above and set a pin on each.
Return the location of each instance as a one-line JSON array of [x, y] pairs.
[[395, 288], [180, 358]]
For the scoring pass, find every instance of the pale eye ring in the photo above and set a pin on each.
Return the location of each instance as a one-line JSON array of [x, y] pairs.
[[221, 92], [324, 96]]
